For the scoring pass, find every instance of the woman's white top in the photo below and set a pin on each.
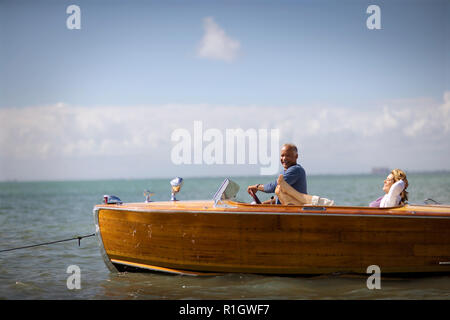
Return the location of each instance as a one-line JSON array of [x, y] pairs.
[[392, 198]]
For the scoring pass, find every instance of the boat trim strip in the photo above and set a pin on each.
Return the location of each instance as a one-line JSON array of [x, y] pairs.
[[105, 256], [163, 269], [280, 213]]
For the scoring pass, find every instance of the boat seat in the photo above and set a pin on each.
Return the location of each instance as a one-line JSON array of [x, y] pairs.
[[289, 196]]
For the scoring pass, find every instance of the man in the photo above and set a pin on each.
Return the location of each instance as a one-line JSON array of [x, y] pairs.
[[293, 173]]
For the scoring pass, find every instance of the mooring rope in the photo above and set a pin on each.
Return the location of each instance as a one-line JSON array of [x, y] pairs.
[[431, 200], [51, 242]]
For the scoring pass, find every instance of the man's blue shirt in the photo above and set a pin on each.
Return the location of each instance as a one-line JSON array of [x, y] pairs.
[[294, 175]]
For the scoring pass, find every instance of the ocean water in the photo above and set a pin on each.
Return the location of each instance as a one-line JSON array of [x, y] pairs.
[[36, 212]]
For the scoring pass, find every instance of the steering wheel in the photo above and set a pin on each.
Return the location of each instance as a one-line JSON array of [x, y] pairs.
[[254, 197]]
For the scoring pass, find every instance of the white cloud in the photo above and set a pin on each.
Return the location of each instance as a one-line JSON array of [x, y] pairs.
[[445, 111], [414, 128], [216, 44], [392, 132]]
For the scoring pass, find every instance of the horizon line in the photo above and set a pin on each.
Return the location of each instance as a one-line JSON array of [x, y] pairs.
[[217, 176]]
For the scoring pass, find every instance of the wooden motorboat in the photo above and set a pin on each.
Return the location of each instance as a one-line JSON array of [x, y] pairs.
[[221, 236]]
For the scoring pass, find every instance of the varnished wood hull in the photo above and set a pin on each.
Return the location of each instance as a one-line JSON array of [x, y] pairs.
[[194, 237]]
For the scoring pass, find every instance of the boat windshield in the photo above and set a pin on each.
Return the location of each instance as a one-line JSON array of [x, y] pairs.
[[227, 191]]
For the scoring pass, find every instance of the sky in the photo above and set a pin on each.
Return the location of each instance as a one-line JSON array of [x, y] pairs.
[[103, 101]]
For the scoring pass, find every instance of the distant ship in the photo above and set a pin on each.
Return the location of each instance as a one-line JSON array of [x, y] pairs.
[[381, 171]]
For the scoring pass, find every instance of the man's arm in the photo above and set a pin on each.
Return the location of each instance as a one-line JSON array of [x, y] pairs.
[[256, 187], [260, 187], [269, 187], [293, 175], [296, 177]]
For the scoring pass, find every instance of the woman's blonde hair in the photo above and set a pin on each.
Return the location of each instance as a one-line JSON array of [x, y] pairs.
[[401, 175]]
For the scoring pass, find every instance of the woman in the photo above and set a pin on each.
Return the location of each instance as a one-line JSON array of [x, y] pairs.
[[394, 186]]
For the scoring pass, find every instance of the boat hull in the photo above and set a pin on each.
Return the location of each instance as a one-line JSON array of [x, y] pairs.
[[198, 238]]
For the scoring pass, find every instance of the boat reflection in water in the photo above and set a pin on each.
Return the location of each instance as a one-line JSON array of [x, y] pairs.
[[222, 236]]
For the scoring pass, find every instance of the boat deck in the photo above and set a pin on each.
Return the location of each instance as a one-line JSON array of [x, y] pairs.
[[231, 207]]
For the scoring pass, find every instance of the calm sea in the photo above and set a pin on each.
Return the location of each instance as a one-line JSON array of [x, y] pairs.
[[35, 212]]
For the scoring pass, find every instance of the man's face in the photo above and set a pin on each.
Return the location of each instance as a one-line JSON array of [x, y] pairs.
[[288, 157]]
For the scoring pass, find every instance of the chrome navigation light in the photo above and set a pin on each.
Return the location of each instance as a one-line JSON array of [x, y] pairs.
[[107, 199], [148, 194], [176, 184]]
